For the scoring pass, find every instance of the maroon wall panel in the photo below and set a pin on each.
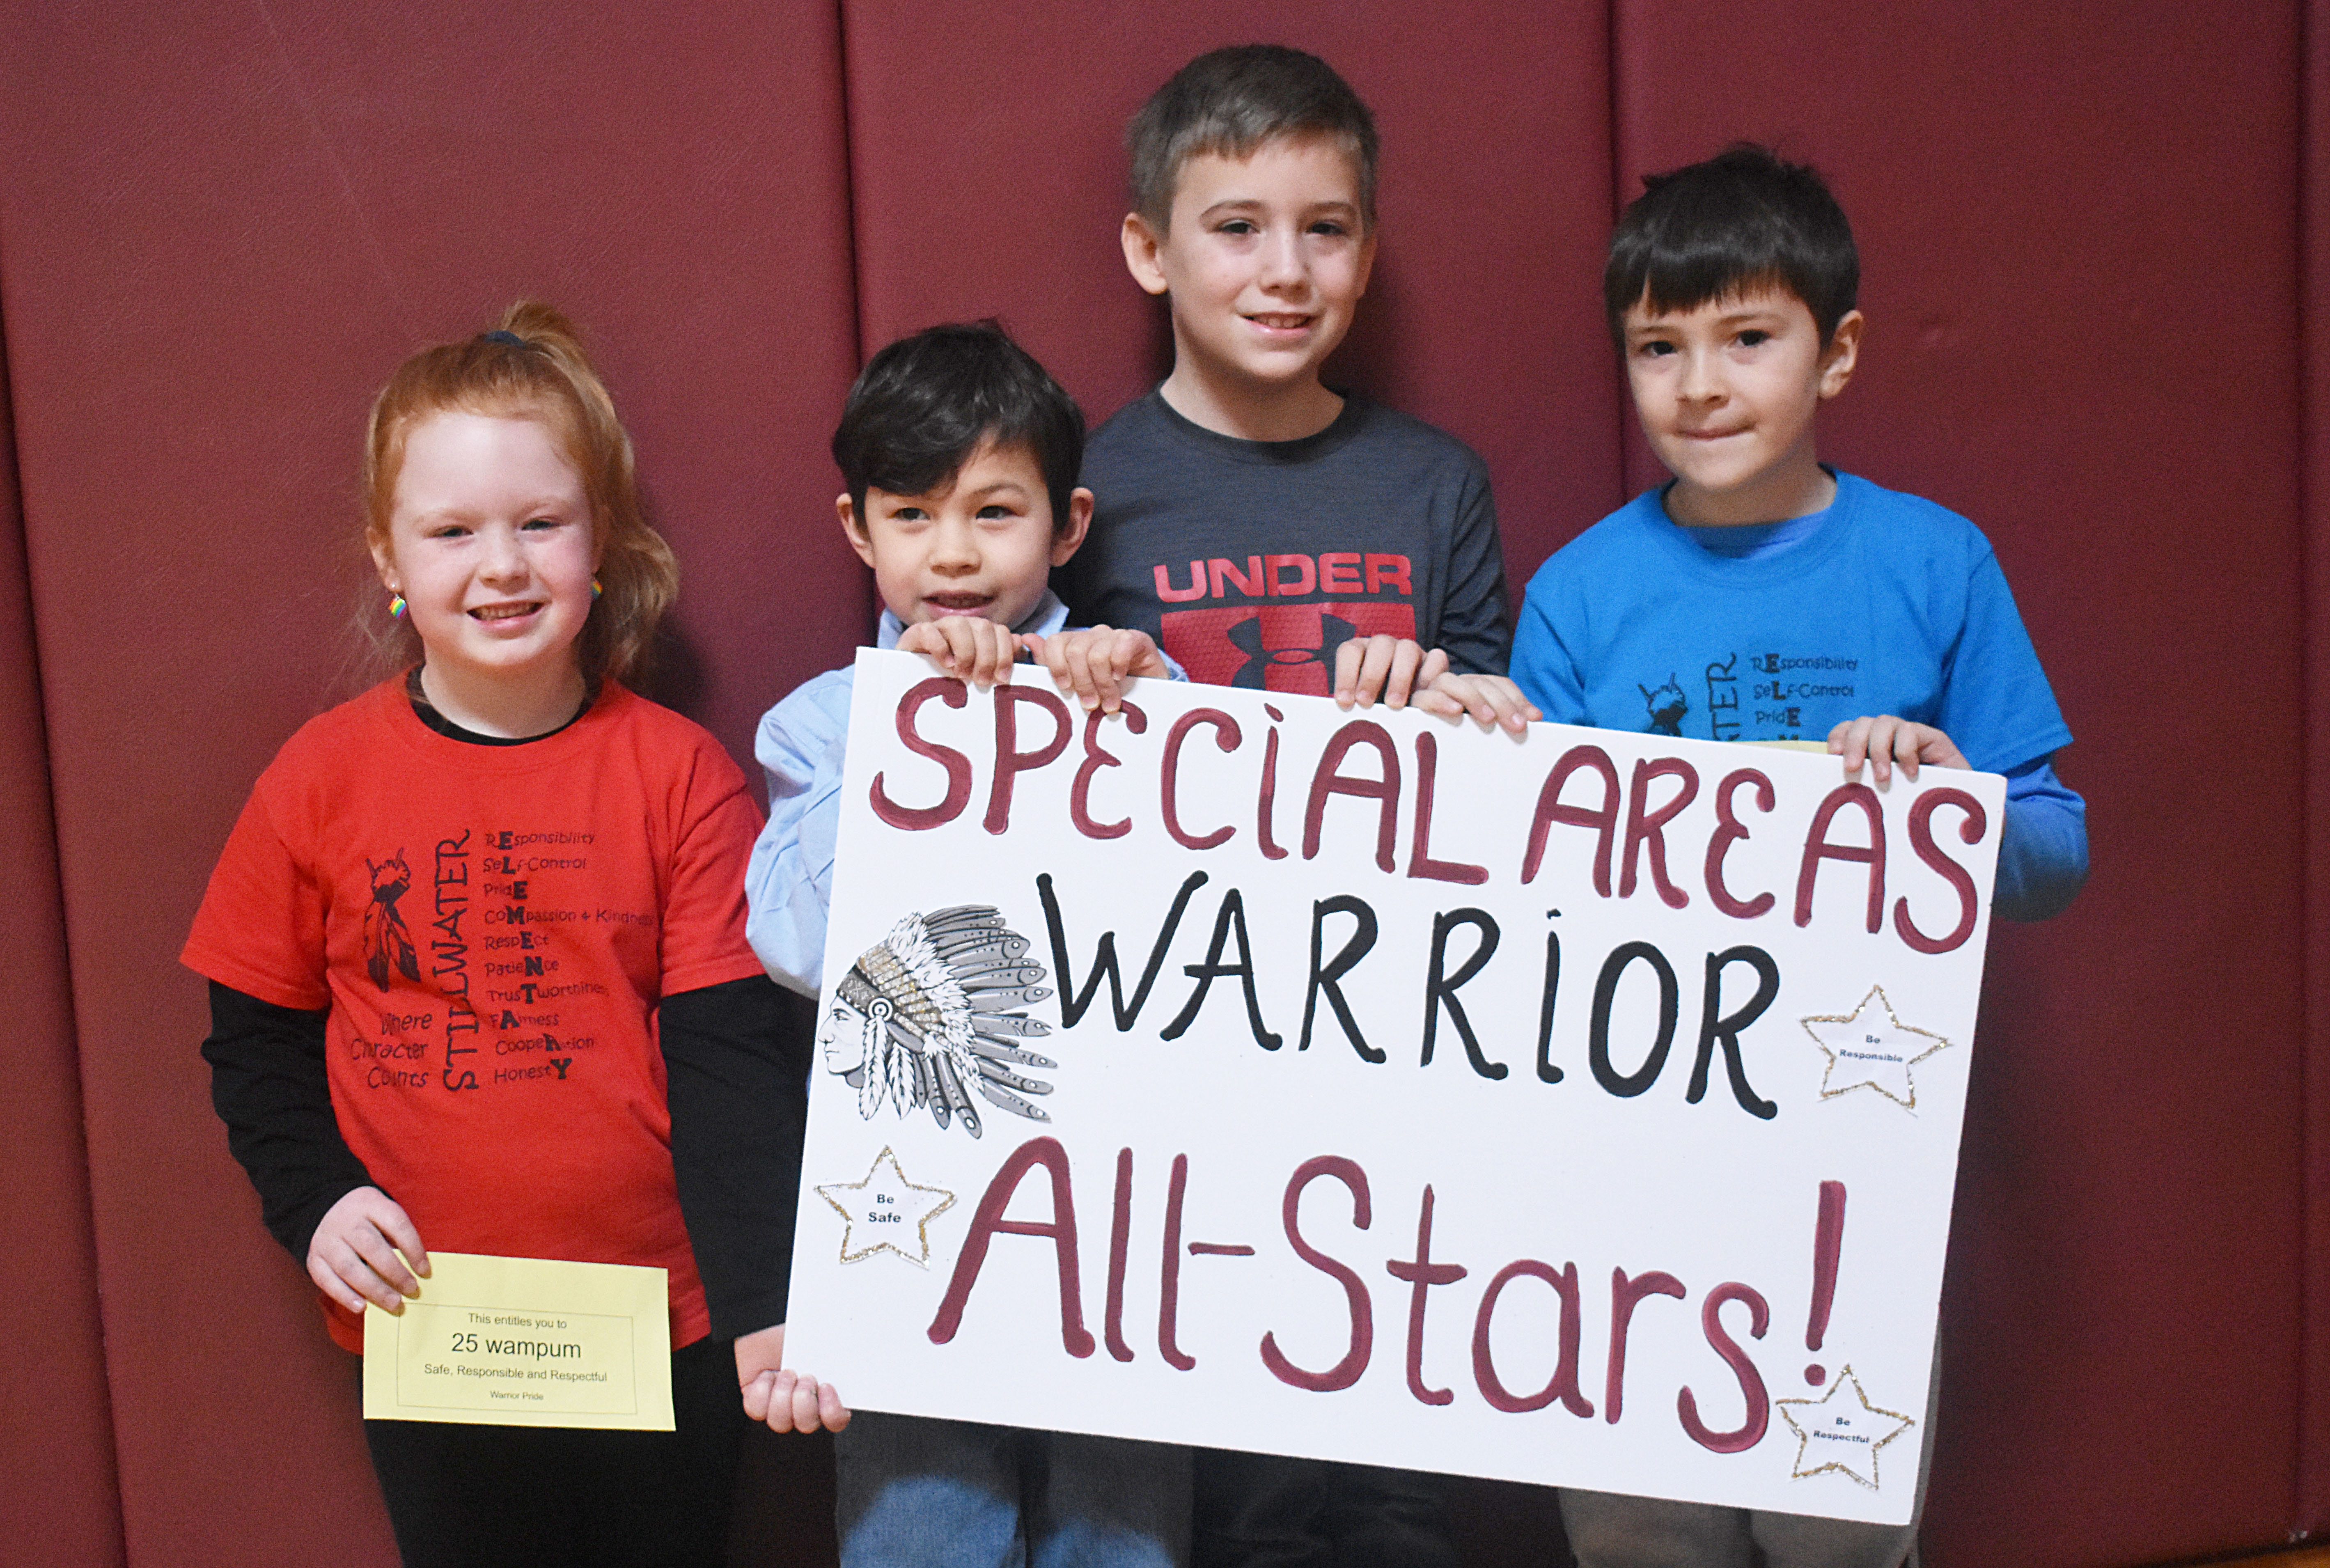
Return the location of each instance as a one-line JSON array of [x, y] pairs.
[[2070, 231], [2314, 217], [223, 228], [220, 230], [996, 188], [57, 1499]]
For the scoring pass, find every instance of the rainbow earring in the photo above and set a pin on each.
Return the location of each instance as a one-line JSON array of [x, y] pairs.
[[595, 590], [395, 605]]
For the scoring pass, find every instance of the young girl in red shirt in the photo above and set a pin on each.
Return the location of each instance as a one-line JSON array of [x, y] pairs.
[[479, 973]]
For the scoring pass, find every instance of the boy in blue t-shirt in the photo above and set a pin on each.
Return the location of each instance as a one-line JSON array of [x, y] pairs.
[[1759, 596]]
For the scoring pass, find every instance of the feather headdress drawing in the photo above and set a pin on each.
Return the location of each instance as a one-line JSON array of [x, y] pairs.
[[931, 1015]]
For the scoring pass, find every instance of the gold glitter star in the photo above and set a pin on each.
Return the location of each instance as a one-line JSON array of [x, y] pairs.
[[1863, 1054], [878, 1212], [1837, 1434]]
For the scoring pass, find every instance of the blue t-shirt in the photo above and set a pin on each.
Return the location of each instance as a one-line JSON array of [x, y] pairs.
[[1883, 603]]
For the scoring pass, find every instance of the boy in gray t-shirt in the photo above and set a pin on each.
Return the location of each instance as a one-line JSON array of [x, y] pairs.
[[1272, 534], [1266, 531]]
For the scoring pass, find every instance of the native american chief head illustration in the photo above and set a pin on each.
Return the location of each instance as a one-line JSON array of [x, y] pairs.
[[929, 1018]]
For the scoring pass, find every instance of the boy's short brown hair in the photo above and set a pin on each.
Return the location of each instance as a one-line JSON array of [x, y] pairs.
[[1233, 100]]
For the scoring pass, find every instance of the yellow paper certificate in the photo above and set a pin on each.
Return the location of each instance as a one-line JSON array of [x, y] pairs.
[[524, 1342]]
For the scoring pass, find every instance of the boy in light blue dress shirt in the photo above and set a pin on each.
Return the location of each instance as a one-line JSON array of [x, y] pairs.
[[960, 455]]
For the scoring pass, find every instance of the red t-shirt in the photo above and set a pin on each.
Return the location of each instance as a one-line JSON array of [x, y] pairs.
[[492, 928]]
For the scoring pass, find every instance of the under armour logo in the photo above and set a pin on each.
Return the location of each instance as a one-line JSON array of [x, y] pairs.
[[1334, 631]]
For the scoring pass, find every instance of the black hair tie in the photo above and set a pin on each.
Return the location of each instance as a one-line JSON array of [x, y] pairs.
[[500, 335]]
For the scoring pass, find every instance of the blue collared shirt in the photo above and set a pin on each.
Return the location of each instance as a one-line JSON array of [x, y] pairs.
[[801, 746]]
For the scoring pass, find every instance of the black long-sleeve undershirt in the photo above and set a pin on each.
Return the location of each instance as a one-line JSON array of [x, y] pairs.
[[267, 1084], [736, 1062]]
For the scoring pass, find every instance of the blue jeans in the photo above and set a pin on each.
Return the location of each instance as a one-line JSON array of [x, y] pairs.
[[916, 1492]]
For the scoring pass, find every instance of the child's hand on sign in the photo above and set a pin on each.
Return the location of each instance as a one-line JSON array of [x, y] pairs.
[[353, 1255], [782, 1399], [1095, 661], [970, 645], [1492, 700], [1393, 668], [1884, 740]]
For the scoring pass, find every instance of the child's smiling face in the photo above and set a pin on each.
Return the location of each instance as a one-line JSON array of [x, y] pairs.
[[1727, 391], [981, 544], [490, 541], [1265, 258]]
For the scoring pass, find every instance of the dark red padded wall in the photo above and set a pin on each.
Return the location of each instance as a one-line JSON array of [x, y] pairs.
[[2072, 234], [219, 230], [57, 1503], [223, 229], [996, 188], [2313, 218]]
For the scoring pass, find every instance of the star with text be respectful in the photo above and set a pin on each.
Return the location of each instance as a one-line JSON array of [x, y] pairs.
[[1834, 1432], [887, 1212], [1869, 1048]]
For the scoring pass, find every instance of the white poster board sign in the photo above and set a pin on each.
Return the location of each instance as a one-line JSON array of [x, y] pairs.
[[1580, 1109]]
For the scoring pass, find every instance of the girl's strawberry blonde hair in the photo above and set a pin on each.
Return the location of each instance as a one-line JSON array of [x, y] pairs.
[[532, 366]]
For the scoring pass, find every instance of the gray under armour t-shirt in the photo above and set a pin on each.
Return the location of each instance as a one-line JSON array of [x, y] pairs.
[[1252, 561]]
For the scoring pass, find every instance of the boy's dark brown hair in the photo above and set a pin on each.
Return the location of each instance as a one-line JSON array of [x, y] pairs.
[[1234, 101], [924, 404], [1742, 221]]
